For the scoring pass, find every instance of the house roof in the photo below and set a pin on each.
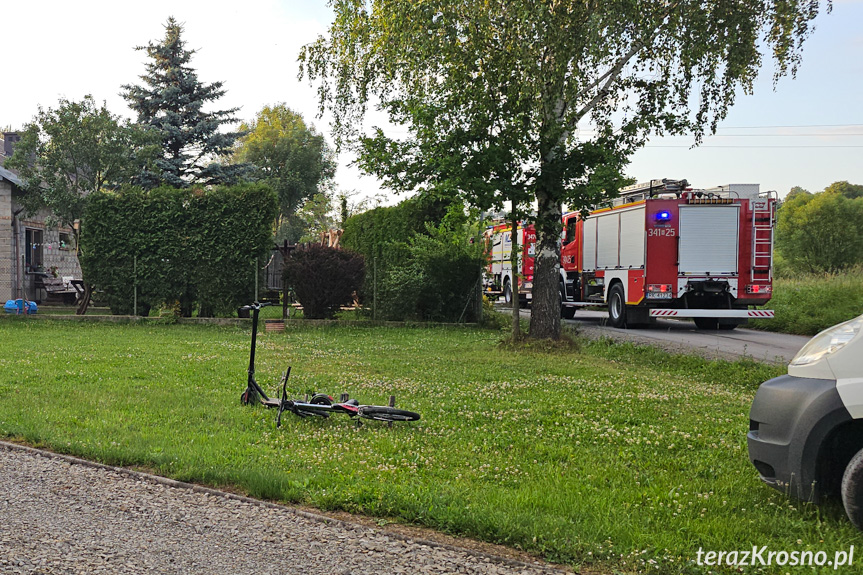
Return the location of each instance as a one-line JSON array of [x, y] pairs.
[[7, 175]]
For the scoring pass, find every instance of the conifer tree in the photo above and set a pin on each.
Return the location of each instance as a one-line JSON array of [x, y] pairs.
[[171, 103]]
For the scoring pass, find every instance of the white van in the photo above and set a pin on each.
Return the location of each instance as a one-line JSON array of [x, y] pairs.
[[806, 428]]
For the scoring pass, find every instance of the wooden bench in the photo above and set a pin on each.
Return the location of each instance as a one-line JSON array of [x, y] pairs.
[[60, 288]]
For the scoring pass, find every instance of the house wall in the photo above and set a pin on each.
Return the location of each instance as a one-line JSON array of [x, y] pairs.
[[7, 250], [64, 260], [60, 262]]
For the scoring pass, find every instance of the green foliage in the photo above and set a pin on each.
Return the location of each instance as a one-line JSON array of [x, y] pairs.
[[308, 222], [807, 304], [170, 105], [817, 233], [420, 255], [851, 191], [324, 279], [189, 246], [293, 158], [520, 101], [68, 153], [367, 233], [433, 277]]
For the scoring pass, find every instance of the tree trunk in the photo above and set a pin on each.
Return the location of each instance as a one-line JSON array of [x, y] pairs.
[[84, 302], [513, 261], [545, 310]]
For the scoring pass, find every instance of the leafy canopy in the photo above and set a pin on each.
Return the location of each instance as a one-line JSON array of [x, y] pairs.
[[171, 104], [68, 152], [293, 158], [522, 100], [818, 233]]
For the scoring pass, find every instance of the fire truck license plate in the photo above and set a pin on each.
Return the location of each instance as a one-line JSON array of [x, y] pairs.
[[660, 295]]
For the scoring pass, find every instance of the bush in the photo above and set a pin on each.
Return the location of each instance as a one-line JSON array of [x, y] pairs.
[[425, 266], [816, 233], [324, 279], [432, 278]]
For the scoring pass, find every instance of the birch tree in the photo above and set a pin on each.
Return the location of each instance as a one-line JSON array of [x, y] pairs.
[[540, 101]]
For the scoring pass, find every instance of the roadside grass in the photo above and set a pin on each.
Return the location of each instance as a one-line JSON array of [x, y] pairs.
[[806, 305], [619, 457]]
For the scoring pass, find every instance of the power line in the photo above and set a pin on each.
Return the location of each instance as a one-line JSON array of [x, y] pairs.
[[732, 147], [766, 135], [797, 126]]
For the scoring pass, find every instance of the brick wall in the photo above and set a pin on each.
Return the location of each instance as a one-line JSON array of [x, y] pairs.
[[7, 253]]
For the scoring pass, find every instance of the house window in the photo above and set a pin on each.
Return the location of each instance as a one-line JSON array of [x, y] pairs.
[[67, 241], [33, 252]]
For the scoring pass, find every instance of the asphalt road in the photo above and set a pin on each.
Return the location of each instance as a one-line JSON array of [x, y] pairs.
[[682, 336]]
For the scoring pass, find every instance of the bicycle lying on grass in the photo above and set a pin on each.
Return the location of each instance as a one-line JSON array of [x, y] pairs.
[[321, 404]]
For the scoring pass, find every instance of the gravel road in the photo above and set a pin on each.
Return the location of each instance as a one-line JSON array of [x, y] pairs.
[[62, 515]]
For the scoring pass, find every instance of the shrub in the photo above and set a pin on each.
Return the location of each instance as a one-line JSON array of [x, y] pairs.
[[430, 279], [324, 279], [816, 233]]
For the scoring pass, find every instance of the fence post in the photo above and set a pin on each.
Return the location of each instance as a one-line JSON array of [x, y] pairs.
[[375, 290], [255, 263], [135, 286], [479, 294]]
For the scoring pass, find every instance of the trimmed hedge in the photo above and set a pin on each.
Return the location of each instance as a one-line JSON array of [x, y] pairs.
[[420, 250], [367, 233], [191, 247]]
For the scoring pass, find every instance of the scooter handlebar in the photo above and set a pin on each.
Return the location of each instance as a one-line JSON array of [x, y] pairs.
[[256, 305]]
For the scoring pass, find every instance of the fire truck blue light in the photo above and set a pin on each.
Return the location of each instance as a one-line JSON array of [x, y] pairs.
[[663, 216]]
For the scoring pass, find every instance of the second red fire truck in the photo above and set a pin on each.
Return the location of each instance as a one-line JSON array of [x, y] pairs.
[[662, 249]]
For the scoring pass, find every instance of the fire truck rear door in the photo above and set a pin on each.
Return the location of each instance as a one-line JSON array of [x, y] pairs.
[[709, 239]]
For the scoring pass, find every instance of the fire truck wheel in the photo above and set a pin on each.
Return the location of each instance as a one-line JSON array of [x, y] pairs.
[[507, 291], [566, 312], [852, 490], [616, 306], [707, 323]]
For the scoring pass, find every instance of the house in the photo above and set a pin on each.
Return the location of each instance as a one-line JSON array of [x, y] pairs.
[[30, 247]]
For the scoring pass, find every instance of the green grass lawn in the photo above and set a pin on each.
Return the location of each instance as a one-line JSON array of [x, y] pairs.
[[615, 456]]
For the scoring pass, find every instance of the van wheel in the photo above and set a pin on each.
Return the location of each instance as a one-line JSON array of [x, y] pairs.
[[616, 306], [852, 490], [566, 312]]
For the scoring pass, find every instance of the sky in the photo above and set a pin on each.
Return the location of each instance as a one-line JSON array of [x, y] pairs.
[[808, 132]]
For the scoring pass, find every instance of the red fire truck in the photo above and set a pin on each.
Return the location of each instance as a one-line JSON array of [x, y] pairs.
[[662, 249], [666, 250], [500, 278]]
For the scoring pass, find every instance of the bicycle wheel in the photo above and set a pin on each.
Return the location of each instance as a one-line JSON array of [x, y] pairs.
[[383, 413], [318, 399]]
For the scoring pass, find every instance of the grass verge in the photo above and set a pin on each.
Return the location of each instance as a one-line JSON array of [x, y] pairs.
[[616, 456], [806, 305]]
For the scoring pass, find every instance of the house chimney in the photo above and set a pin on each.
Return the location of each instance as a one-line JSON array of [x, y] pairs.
[[9, 139]]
